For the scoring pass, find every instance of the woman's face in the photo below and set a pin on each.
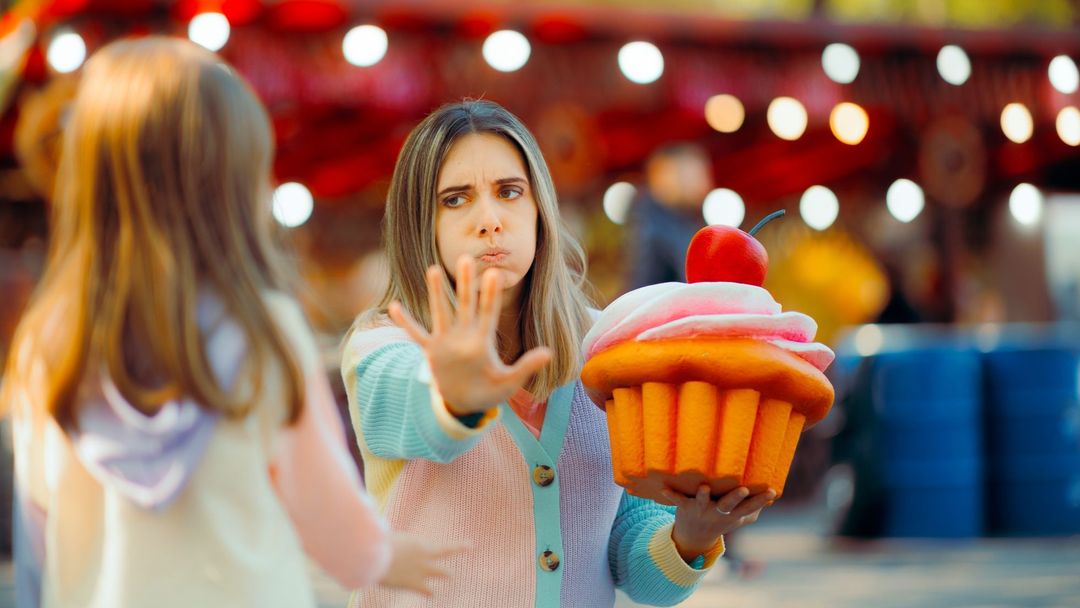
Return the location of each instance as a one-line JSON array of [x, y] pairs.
[[486, 210]]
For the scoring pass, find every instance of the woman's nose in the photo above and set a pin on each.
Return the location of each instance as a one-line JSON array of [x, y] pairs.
[[489, 222]]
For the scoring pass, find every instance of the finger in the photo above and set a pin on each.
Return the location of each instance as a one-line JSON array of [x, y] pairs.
[[405, 321], [490, 300], [675, 498], [418, 585], [450, 550], [753, 504], [433, 571], [423, 588], [727, 503], [703, 496], [440, 308], [466, 269], [527, 365]]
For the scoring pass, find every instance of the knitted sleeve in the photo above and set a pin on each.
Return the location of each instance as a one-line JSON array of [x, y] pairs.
[[398, 409], [643, 558]]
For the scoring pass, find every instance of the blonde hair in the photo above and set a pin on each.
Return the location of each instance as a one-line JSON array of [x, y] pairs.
[[554, 311], [163, 190]]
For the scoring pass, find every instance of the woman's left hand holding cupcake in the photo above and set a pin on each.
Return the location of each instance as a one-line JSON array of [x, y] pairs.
[[700, 522]]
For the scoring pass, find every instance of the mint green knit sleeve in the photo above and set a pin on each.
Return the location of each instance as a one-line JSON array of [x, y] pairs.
[[400, 414], [643, 558]]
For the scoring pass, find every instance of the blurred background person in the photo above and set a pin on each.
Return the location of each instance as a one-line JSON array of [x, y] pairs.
[[667, 213]]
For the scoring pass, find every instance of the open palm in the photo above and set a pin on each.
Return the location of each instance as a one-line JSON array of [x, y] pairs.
[[461, 348]]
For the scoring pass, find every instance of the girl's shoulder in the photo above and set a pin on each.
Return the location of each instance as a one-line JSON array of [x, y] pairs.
[[289, 318], [283, 306], [289, 315]]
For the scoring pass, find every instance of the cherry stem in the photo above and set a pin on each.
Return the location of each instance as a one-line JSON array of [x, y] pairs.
[[768, 218]]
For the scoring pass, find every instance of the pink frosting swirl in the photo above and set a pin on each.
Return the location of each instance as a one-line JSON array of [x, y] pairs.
[[725, 310]]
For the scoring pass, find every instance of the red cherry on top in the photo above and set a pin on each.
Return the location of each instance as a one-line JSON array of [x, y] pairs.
[[726, 254]]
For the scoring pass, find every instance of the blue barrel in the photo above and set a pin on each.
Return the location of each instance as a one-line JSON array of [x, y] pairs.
[[1033, 439], [928, 405]]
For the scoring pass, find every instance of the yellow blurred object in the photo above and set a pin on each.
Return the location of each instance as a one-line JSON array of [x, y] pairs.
[[963, 13], [790, 10], [827, 275]]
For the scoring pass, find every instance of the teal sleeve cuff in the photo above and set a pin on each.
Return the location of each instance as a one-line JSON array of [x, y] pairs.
[[644, 560], [471, 420]]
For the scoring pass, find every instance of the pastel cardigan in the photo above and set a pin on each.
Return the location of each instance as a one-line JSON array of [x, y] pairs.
[[545, 520]]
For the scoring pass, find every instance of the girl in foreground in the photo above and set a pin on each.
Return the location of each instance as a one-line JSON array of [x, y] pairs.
[[176, 441]]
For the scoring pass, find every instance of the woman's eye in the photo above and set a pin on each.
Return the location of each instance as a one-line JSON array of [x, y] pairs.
[[454, 201], [510, 193]]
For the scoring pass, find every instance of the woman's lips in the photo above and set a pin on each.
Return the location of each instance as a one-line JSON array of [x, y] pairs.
[[493, 256]]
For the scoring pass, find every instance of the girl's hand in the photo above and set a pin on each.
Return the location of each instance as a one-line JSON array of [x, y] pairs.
[[461, 348], [414, 563], [700, 522]]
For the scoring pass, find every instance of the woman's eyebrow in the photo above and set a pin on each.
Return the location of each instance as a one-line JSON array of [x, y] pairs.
[[451, 189], [503, 181]]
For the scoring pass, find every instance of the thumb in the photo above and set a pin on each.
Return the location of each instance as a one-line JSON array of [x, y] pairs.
[[528, 364]]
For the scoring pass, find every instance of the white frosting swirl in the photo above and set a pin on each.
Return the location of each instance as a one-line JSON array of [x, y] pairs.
[[723, 310]]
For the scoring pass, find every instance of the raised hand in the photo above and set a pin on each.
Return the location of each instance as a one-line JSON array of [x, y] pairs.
[[461, 348], [699, 521]]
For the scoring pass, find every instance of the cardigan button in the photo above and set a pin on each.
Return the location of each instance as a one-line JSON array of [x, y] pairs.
[[549, 561], [543, 475]]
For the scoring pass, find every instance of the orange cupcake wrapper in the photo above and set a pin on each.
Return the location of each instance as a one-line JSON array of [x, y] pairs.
[[684, 435]]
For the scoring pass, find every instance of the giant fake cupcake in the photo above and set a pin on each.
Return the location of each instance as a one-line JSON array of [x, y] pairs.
[[707, 382]]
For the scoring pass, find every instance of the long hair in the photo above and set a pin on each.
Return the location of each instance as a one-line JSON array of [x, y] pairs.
[[162, 191], [554, 310]]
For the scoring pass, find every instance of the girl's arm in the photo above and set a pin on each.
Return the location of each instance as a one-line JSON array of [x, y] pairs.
[[317, 481], [644, 560]]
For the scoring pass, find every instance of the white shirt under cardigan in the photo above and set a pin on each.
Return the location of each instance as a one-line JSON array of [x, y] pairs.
[[434, 476]]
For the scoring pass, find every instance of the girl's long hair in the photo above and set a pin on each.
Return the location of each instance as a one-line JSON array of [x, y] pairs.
[[162, 192]]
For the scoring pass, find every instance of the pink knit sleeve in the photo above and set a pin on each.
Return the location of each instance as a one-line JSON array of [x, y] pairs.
[[317, 481]]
